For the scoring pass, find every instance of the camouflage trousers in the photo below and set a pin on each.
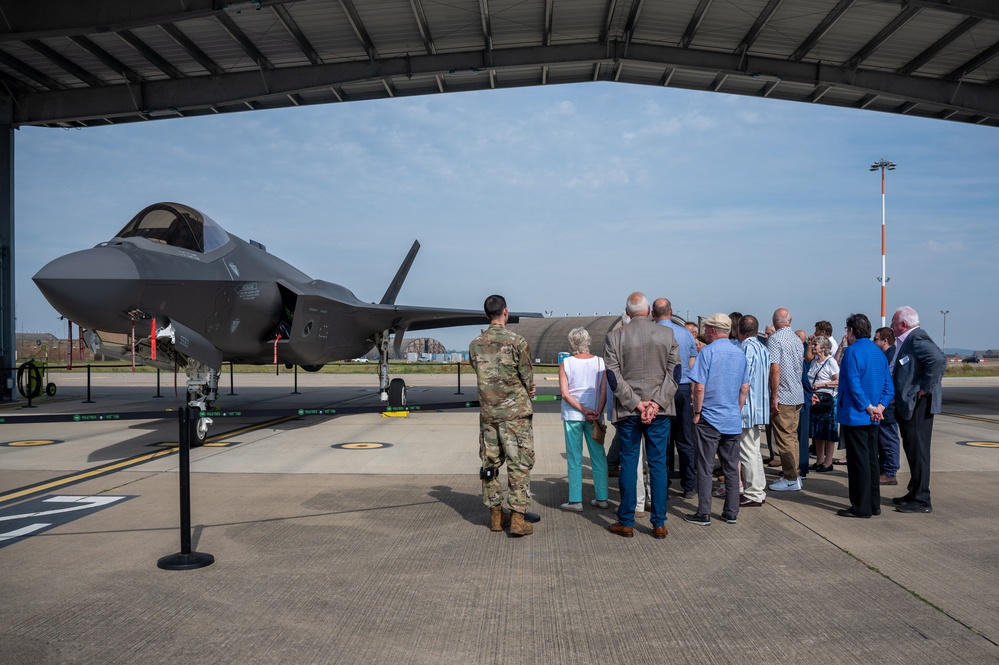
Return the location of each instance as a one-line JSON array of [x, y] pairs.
[[510, 441]]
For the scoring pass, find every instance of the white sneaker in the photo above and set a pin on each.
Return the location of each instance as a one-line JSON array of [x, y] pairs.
[[598, 504], [576, 507], [785, 485]]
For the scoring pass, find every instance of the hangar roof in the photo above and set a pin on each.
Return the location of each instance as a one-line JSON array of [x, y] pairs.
[[71, 63]]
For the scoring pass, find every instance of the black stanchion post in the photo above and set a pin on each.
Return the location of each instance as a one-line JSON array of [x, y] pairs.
[[459, 380], [231, 390], [157, 384], [295, 391], [186, 559], [88, 400]]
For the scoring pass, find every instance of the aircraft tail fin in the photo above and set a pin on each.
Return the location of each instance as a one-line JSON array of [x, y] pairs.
[[393, 290]]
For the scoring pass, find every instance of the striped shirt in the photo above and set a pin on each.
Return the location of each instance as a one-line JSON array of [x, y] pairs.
[[757, 408], [787, 352]]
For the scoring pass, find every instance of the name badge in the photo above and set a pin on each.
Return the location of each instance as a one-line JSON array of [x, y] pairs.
[[903, 360]]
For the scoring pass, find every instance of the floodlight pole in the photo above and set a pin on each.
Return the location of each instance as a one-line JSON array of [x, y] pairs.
[[945, 312], [883, 164]]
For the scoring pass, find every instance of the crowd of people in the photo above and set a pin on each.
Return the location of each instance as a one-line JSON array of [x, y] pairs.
[[689, 404]]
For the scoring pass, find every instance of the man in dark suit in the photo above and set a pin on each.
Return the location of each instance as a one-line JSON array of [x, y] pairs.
[[917, 371], [889, 445], [641, 356]]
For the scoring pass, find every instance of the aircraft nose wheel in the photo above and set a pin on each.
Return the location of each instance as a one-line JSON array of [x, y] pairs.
[[203, 424], [397, 393]]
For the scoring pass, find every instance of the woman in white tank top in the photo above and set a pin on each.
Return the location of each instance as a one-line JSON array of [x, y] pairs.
[[583, 383]]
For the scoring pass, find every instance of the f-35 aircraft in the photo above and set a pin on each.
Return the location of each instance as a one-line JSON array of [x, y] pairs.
[[188, 294]]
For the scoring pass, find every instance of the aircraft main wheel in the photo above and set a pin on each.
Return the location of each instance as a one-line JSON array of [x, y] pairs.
[[50, 390], [397, 393]]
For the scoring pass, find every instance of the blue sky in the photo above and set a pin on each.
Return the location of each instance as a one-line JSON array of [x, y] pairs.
[[562, 198]]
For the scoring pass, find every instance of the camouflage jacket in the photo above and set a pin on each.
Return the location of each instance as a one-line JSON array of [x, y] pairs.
[[502, 362]]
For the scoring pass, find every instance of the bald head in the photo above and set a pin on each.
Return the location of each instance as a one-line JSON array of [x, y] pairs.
[[662, 309], [637, 305], [782, 318]]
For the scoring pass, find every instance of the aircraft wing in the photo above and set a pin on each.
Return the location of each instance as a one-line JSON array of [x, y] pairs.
[[428, 318]]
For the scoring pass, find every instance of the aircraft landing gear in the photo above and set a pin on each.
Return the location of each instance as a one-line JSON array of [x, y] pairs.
[[397, 393]]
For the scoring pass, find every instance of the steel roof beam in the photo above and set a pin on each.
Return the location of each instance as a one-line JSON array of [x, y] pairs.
[[608, 21], [821, 29], [30, 72], [983, 9], [106, 58], [65, 18], [65, 63], [884, 35], [549, 21], [629, 27], [694, 23], [761, 22], [974, 63], [296, 33], [237, 87], [424, 26], [487, 26], [192, 49], [359, 30], [149, 54], [248, 47], [939, 45]]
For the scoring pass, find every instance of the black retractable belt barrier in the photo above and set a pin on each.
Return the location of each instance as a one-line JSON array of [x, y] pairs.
[[88, 400], [186, 559]]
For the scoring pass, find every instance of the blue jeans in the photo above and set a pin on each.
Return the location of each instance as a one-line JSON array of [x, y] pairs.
[[656, 433], [888, 449]]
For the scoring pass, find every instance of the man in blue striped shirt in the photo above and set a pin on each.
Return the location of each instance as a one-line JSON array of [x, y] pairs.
[[755, 413]]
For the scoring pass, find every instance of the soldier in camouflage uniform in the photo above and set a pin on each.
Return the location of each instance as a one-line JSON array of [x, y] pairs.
[[502, 362]]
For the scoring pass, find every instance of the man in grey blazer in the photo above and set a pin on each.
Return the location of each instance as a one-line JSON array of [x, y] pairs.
[[917, 369], [642, 356]]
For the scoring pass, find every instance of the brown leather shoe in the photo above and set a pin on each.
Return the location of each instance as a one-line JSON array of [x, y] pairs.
[[622, 530], [774, 463], [660, 532], [885, 480]]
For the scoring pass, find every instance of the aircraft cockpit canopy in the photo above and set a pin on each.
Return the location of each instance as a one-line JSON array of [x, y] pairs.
[[178, 226]]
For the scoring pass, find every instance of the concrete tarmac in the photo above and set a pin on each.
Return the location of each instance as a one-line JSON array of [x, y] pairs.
[[381, 553]]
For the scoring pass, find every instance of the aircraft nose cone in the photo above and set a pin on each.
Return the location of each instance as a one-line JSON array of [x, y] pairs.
[[92, 288]]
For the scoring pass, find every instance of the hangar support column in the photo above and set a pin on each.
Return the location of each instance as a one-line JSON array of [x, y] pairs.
[[8, 337]]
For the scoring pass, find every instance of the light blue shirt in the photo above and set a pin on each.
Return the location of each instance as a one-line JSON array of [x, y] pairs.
[[722, 369], [757, 408], [685, 345]]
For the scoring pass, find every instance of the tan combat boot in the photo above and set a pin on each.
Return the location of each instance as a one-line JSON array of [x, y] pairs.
[[496, 518], [518, 527]]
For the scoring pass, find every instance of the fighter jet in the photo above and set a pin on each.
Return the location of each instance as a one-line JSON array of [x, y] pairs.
[[190, 295]]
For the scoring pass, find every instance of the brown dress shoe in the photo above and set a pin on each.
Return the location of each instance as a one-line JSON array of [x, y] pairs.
[[622, 530], [660, 532], [774, 463], [885, 480]]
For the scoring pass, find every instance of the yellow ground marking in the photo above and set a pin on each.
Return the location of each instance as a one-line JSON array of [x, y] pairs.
[[361, 446], [32, 442], [982, 444], [978, 418], [395, 414], [117, 466]]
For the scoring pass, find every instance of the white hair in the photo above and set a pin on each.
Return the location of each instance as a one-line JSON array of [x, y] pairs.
[[579, 340], [908, 316], [637, 303]]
